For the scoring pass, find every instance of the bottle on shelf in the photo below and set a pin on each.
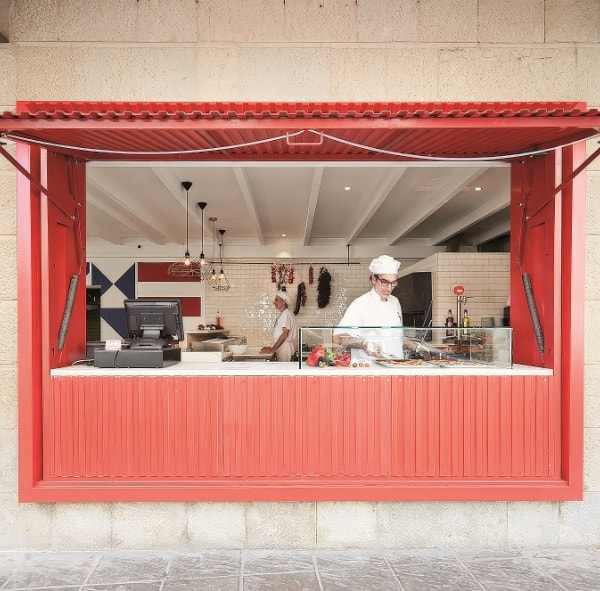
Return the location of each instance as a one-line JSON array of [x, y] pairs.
[[466, 321], [449, 324]]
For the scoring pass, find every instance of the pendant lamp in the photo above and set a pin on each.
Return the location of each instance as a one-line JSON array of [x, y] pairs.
[[218, 281], [209, 273], [203, 261], [188, 266], [223, 282]]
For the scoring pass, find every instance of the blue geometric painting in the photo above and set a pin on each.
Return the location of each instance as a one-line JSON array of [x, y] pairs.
[[112, 295]]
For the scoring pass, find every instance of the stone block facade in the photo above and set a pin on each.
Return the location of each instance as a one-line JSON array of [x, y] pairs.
[[297, 50]]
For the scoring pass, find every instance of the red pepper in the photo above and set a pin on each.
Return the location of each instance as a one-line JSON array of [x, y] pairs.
[[315, 355], [343, 360]]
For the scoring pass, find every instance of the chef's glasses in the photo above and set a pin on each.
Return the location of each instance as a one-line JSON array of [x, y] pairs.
[[385, 282]]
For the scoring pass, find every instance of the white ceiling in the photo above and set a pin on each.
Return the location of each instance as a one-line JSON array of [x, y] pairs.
[[388, 204]]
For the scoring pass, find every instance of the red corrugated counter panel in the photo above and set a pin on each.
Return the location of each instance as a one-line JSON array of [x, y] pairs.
[[316, 437]]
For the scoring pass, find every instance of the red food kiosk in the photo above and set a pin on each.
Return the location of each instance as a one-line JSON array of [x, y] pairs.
[[274, 434]]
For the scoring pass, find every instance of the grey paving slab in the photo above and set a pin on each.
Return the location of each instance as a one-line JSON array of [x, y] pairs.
[[299, 581], [433, 573], [227, 583], [46, 569], [341, 571], [140, 586], [199, 565], [131, 567], [304, 570], [266, 561], [573, 569], [512, 574]]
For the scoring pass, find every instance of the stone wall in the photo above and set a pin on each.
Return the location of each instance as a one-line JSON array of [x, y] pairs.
[[299, 50]]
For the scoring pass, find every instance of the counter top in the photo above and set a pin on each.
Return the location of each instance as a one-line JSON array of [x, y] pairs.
[[261, 368]]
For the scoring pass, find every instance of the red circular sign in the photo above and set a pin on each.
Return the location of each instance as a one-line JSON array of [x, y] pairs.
[[459, 290]]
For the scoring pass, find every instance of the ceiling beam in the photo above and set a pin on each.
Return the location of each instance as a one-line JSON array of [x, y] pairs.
[[487, 208], [97, 227], [116, 208], [499, 229], [248, 195], [381, 193], [177, 191], [315, 190], [418, 210]]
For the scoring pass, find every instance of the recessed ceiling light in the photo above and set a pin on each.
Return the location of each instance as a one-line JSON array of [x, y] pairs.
[[347, 188], [283, 235], [478, 188]]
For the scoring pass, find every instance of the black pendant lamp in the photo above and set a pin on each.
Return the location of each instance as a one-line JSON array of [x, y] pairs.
[[218, 281], [203, 261], [188, 266], [223, 282]]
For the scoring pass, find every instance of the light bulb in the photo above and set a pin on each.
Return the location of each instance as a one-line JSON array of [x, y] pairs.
[[186, 259]]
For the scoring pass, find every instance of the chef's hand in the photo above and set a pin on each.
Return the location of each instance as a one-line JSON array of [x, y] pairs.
[[353, 343], [267, 351], [373, 350]]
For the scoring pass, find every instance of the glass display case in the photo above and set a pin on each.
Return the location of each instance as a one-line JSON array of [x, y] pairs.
[[394, 347]]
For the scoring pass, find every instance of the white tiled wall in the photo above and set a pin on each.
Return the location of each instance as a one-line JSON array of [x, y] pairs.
[[485, 277], [247, 308]]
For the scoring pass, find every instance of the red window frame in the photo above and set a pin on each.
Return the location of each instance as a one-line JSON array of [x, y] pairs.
[[548, 245]]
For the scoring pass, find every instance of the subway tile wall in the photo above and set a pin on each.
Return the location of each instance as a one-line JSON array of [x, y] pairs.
[[485, 277], [247, 308]]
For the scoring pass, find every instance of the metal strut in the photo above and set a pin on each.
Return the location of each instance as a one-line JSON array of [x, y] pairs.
[[567, 181]]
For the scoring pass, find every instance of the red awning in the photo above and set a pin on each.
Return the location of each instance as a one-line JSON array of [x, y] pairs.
[[299, 131]]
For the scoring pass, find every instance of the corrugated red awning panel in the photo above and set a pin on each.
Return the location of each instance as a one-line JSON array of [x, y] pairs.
[[163, 110], [288, 131]]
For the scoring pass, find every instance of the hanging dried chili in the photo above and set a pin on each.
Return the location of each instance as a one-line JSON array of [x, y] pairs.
[[323, 288], [300, 297]]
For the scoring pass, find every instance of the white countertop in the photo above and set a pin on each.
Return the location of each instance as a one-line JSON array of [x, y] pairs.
[[261, 368]]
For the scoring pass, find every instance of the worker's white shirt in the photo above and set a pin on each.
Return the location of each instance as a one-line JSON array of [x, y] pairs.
[[370, 310], [286, 320]]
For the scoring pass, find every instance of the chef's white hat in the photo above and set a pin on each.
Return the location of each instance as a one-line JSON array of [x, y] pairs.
[[284, 296], [384, 265]]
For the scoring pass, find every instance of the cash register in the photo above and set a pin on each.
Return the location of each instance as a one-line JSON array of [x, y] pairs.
[[153, 325]]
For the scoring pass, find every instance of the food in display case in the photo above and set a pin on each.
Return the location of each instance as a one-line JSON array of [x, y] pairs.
[[398, 347]]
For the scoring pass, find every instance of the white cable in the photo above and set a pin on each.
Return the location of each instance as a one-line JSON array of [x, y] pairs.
[[156, 153], [288, 135], [441, 158]]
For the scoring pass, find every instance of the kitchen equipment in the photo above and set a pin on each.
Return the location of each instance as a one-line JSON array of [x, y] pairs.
[[253, 354], [238, 349], [216, 344], [206, 356]]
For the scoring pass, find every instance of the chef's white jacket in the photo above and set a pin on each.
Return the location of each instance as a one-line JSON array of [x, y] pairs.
[[369, 310]]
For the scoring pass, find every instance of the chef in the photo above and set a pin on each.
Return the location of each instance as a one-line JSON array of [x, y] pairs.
[[285, 333], [376, 308]]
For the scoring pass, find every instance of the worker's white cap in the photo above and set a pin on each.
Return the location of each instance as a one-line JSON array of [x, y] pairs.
[[284, 296], [384, 265]]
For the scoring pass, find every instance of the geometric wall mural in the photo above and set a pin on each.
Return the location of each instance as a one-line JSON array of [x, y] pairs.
[[121, 279], [113, 291]]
